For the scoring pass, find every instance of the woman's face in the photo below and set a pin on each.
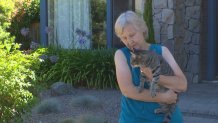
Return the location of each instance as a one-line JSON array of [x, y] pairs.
[[132, 37]]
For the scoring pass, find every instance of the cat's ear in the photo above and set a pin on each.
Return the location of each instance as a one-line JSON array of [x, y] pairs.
[[133, 55]]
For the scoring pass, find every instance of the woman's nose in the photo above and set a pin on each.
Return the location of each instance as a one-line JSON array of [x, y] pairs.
[[130, 41]]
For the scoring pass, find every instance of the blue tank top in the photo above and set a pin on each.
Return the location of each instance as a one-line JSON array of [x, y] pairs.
[[134, 111]]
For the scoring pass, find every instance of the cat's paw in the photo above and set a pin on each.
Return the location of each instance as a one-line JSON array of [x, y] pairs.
[[140, 89], [158, 111], [153, 94]]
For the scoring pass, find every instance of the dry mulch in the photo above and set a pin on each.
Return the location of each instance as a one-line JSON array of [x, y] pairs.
[[109, 110]]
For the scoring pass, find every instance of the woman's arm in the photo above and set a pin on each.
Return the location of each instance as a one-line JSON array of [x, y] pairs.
[[178, 82], [127, 87]]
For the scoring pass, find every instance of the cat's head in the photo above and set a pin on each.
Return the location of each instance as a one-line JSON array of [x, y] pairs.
[[137, 57]]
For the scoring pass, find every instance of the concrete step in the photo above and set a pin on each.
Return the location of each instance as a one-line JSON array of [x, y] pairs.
[[192, 119]]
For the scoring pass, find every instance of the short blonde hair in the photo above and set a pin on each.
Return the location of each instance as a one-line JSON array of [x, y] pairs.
[[130, 17]]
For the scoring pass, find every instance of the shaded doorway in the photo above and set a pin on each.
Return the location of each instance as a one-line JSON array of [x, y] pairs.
[[217, 43], [209, 42]]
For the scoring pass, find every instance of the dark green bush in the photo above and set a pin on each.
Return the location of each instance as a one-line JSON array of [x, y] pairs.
[[88, 68], [98, 16]]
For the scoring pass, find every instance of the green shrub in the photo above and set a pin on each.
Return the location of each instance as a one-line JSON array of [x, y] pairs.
[[16, 76], [87, 68], [6, 8], [5, 37], [98, 15], [27, 12]]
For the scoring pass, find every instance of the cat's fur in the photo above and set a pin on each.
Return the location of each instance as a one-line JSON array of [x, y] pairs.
[[150, 59]]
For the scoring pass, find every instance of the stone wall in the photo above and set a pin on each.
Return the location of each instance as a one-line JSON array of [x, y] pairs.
[[177, 26]]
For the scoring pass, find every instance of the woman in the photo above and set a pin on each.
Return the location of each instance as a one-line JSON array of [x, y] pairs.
[[139, 107]]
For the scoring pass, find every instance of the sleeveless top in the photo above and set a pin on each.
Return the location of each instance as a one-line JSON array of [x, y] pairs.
[[134, 111]]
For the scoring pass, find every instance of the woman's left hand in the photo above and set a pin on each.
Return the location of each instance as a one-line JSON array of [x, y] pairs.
[[147, 72]]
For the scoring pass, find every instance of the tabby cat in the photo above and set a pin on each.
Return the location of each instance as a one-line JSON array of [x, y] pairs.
[[150, 59]]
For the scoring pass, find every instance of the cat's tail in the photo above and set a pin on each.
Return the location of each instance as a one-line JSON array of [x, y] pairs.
[[167, 118]]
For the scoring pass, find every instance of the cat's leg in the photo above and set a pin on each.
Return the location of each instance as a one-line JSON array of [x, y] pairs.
[[142, 83], [154, 82], [164, 108], [168, 115], [152, 88]]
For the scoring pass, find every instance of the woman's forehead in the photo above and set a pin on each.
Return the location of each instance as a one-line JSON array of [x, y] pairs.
[[129, 28]]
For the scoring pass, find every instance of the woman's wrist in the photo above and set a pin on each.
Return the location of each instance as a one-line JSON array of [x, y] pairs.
[[158, 98]]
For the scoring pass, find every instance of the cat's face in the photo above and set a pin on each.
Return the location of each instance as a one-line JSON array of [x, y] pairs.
[[137, 59]]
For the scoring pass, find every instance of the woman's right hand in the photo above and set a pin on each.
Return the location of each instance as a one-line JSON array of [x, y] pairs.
[[168, 97]]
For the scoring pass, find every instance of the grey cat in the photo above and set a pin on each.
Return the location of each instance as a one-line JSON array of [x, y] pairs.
[[150, 59]]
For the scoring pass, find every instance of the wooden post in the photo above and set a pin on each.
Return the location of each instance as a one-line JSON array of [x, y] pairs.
[[43, 23], [211, 41]]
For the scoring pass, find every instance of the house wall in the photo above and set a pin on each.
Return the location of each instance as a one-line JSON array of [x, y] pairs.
[[177, 26], [187, 39]]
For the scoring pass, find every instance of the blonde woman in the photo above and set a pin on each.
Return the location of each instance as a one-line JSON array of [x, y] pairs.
[[139, 107]]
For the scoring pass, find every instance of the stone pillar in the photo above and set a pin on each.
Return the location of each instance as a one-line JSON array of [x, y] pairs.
[[187, 37], [177, 26], [163, 21]]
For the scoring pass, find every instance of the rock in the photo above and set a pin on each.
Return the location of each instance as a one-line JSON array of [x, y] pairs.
[[61, 88]]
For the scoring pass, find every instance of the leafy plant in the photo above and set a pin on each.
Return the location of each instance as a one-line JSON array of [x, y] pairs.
[[26, 13], [5, 37], [6, 8], [16, 77], [98, 15], [87, 68]]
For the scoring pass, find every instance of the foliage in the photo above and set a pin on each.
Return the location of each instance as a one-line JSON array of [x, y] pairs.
[[16, 76], [149, 20], [6, 8], [26, 13], [5, 37], [98, 15], [87, 68]]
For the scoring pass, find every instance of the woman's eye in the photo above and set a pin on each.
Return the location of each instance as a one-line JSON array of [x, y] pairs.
[[131, 35], [124, 38]]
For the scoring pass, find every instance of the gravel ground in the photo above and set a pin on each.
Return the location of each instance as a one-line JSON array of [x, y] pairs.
[[110, 108]]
